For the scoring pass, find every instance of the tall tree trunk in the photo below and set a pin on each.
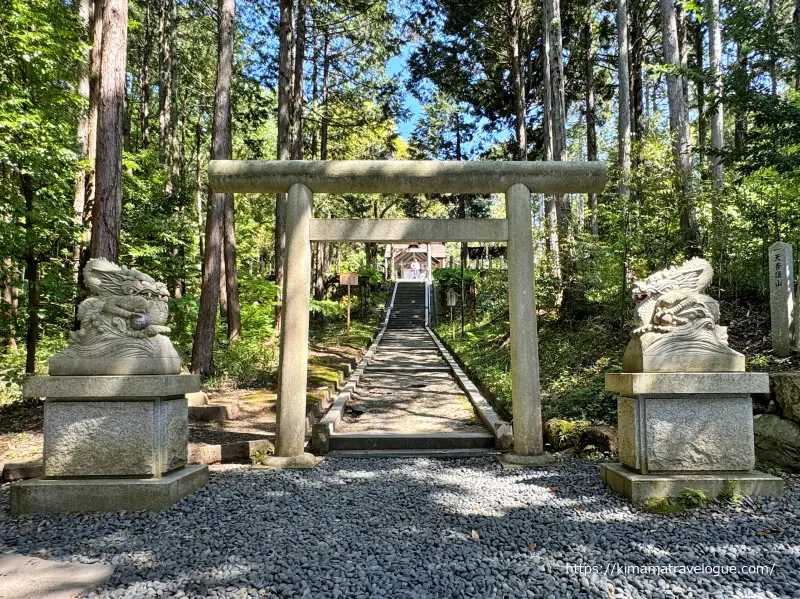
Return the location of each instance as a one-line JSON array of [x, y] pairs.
[[108, 176], [223, 141], [700, 91], [624, 124], [174, 113], [32, 335], [551, 208], [314, 99], [144, 77], [10, 303], [285, 89], [297, 87], [165, 86], [202, 352], [773, 60], [231, 271], [198, 184], [740, 123], [172, 186], [326, 66], [91, 148], [32, 275], [324, 251], [517, 78], [796, 25], [85, 17], [717, 122], [223, 281], [591, 121], [559, 130], [319, 278], [624, 134], [679, 127], [637, 11]]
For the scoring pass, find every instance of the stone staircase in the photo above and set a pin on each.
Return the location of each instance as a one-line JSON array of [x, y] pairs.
[[409, 306]]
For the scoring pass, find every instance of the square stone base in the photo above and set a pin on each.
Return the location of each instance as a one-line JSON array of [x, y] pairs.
[[686, 422], [40, 495], [141, 437], [640, 487]]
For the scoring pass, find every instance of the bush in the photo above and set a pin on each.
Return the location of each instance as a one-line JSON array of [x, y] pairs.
[[692, 498]]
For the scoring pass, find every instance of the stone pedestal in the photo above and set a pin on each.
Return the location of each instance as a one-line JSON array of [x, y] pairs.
[[111, 443], [686, 430]]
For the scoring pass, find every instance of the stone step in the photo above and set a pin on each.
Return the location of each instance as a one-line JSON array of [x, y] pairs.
[[13, 472], [204, 453], [197, 399], [406, 368], [442, 454], [423, 441], [218, 412]]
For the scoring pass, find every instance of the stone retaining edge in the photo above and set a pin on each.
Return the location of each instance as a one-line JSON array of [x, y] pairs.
[[240, 450], [321, 431], [500, 428]]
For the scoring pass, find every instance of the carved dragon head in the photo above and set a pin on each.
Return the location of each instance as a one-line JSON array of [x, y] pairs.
[[106, 279], [692, 276]]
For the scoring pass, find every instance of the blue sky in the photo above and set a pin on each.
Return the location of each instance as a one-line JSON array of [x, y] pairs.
[[397, 68]]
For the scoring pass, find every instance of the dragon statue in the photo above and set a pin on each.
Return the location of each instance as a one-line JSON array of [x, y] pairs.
[[122, 326], [676, 324]]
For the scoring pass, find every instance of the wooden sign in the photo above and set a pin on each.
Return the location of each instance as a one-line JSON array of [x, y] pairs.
[[348, 278], [452, 298]]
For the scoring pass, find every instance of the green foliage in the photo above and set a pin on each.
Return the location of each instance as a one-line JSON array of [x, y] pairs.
[[258, 456], [730, 494], [252, 359], [370, 276], [12, 367], [692, 498], [662, 505], [564, 433], [450, 278], [329, 309], [573, 359]]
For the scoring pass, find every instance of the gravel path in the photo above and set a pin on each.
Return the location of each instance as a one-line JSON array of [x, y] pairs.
[[421, 528]]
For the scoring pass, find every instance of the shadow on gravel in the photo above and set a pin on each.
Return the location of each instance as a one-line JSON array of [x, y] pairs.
[[22, 416], [416, 527]]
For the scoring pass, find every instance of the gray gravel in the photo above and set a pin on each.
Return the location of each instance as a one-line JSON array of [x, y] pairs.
[[421, 528]]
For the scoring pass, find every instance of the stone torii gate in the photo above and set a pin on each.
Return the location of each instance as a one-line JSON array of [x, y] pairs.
[[301, 179]]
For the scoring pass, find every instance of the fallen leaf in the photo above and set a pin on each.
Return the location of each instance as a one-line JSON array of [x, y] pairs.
[[612, 592], [533, 546], [476, 507], [475, 535], [762, 534], [576, 508]]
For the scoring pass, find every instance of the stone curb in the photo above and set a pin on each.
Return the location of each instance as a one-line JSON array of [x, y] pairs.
[[321, 431], [13, 472], [500, 428], [406, 442], [224, 453], [216, 412], [496, 406]]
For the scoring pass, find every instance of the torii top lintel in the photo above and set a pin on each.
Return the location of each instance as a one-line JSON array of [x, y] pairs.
[[405, 176]]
